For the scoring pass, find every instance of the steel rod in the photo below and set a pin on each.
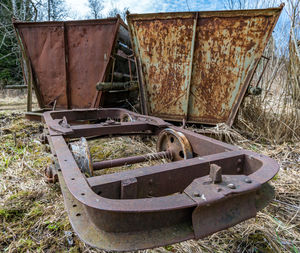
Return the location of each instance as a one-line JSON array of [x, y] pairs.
[[15, 87], [130, 160]]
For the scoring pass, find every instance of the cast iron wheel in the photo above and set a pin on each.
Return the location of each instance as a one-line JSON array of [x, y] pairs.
[[176, 142]]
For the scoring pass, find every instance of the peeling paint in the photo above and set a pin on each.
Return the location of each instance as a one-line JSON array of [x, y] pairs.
[[228, 45]]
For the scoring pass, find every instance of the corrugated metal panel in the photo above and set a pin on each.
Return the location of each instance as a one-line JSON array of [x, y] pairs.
[[197, 65]]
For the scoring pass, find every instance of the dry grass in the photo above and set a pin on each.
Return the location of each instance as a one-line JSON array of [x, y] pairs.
[[274, 116], [33, 218], [269, 120]]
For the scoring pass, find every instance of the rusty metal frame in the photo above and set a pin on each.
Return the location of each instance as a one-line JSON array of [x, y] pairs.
[[157, 205]]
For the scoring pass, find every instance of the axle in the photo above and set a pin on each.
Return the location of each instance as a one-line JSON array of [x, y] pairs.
[[131, 160]]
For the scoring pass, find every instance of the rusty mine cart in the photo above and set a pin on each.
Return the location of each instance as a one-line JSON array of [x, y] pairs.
[[193, 66]]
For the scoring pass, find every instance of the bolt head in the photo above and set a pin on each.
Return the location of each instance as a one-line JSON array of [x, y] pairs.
[[248, 180], [231, 186], [196, 194]]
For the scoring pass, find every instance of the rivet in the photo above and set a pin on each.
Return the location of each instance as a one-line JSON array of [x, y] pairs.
[[238, 169], [219, 189], [231, 186], [196, 194], [248, 180]]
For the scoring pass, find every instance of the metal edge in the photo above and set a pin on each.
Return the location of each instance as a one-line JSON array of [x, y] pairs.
[[100, 239], [142, 91], [30, 68], [69, 22], [220, 13], [97, 100], [248, 79]]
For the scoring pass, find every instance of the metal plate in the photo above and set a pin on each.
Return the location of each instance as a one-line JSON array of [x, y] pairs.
[[69, 58], [197, 65]]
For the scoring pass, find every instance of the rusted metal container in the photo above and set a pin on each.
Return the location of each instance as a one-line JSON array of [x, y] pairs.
[[196, 66], [65, 60]]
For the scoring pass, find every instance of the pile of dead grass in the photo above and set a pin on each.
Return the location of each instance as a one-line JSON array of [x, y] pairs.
[[271, 120], [33, 218]]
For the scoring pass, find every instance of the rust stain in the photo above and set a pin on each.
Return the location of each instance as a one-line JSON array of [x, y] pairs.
[[87, 63], [163, 59], [227, 47], [69, 58], [45, 45]]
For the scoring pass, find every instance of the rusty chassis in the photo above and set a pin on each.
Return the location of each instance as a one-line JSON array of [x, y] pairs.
[[207, 186]]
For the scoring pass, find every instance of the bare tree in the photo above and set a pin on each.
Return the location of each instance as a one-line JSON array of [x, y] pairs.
[[293, 10], [56, 9], [115, 11], [95, 6], [248, 4]]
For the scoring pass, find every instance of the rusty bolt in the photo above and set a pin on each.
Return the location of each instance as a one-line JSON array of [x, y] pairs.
[[231, 186], [43, 138], [51, 175], [248, 180], [196, 194], [215, 173]]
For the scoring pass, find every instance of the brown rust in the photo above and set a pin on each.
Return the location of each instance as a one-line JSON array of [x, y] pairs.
[[228, 45], [69, 58], [161, 204]]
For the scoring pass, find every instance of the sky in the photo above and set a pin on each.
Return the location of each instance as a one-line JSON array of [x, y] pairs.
[[79, 8]]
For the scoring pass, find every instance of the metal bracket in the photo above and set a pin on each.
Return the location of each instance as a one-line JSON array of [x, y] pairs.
[[221, 205]]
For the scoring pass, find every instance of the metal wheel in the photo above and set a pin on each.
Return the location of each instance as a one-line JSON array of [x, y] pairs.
[[176, 142], [82, 156]]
